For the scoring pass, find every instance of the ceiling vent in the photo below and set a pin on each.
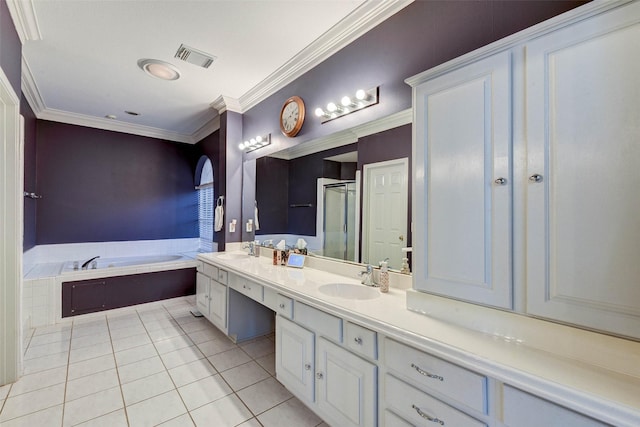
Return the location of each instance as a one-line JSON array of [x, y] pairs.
[[194, 56]]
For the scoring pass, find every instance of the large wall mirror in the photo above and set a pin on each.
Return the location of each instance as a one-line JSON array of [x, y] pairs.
[[345, 197]]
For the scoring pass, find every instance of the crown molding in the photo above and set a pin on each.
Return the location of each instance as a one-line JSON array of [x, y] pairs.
[[363, 19], [346, 137], [30, 89], [207, 129], [24, 19], [226, 103]]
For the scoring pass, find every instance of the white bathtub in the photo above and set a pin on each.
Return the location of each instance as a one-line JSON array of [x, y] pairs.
[[103, 263]]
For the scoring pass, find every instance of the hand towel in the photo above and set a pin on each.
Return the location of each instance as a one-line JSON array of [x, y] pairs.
[[219, 216], [256, 223]]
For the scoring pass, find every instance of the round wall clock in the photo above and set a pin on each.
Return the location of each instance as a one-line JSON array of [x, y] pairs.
[[292, 116]]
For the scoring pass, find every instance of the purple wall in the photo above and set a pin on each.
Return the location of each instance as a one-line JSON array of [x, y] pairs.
[[29, 174], [10, 48], [419, 37], [108, 186], [213, 148]]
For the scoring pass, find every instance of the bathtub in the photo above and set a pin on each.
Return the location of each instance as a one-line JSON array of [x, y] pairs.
[[102, 263]]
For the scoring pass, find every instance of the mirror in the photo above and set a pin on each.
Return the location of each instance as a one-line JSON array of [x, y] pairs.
[[346, 200]]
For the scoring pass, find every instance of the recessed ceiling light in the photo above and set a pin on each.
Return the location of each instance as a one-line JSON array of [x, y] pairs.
[[159, 69], [132, 113]]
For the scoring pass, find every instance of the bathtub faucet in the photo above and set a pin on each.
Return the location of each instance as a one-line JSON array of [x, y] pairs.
[[86, 263]]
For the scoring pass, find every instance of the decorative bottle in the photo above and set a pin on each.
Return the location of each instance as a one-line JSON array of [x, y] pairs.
[[384, 277]]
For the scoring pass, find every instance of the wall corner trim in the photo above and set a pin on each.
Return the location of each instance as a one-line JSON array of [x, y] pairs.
[[24, 18]]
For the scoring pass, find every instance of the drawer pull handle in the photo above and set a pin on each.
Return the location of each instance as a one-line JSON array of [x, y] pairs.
[[427, 417], [358, 340], [425, 373], [319, 375], [307, 367], [281, 306]]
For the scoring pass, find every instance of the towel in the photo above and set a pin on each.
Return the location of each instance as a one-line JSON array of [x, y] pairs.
[[256, 223], [219, 216]]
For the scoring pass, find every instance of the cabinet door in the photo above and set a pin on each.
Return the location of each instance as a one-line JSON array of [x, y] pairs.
[[202, 293], [583, 207], [218, 304], [346, 386], [462, 183], [295, 365]]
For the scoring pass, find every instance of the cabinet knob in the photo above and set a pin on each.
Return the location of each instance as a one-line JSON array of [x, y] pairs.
[[319, 375], [501, 181], [307, 366], [426, 416], [535, 178], [281, 306], [358, 340]]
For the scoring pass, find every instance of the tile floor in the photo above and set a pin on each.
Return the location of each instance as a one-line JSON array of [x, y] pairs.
[[149, 365]]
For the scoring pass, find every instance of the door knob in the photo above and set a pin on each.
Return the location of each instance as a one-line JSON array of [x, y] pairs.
[[500, 181], [535, 178], [401, 238]]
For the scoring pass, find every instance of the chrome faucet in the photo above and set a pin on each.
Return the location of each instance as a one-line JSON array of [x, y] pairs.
[[251, 247], [87, 262], [367, 277]]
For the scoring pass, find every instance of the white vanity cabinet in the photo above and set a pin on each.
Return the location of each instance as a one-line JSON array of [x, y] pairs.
[[340, 386], [462, 144], [211, 294], [526, 183]]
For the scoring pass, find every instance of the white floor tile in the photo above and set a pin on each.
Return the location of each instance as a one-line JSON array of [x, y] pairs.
[[130, 342], [191, 372], [44, 363], [127, 331], [199, 324], [204, 391], [60, 327], [45, 418], [84, 331], [209, 348], [208, 334], [251, 423], [86, 353], [264, 395], [46, 350], [4, 391], [229, 359], [181, 421], [290, 413], [172, 344], [165, 333], [259, 347], [89, 340], [91, 366], [156, 410], [34, 401], [181, 357], [91, 320], [91, 384], [157, 324], [228, 411], [53, 337], [92, 406], [244, 375], [39, 380], [144, 388], [268, 362], [135, 354], [113, 419], [143, 368]]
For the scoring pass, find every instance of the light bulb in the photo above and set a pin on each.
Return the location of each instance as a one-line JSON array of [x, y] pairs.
[[241, 146], [331, 107], [259, 138], [361, 94], [319, 112], [346, 101], [252, 141]]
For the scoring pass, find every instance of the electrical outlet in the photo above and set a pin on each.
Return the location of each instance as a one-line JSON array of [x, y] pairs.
[[232, 226]]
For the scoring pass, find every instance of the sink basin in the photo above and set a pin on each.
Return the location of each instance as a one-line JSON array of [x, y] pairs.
[[233, 255], [349, 291]]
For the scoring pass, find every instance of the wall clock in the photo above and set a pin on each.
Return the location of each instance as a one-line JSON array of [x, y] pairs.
[[292, 116]]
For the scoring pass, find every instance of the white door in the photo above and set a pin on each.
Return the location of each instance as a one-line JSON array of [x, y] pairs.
[[218, 305], [583, 203], [202, 294], [346, 387], [462, 186], [295, 362], [385, 211]]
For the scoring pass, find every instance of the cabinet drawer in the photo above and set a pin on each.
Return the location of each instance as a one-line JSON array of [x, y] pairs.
[[362, 340], [222, 276], [421, 409], [285, 306], [210, 271], [392, 420], [323, 323], [438, 375], [200, 266], [246, 287], [525, 410]]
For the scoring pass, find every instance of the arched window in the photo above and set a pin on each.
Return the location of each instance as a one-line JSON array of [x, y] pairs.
[[205, 207]]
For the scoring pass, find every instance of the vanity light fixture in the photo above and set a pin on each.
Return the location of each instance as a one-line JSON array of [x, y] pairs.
[[159, 69], [255, 143], [348, 104]]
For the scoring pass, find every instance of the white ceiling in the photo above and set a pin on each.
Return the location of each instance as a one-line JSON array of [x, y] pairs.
[[80, 56]]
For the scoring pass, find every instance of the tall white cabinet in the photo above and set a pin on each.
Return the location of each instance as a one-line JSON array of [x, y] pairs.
[[527, 174]]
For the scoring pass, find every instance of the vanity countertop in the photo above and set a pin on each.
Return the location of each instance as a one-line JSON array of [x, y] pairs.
[[589, 372]]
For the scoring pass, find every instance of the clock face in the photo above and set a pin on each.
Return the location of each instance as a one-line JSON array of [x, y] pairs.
[[292, 116]]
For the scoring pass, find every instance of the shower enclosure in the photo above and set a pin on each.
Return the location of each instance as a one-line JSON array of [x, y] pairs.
[[340, 220]]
